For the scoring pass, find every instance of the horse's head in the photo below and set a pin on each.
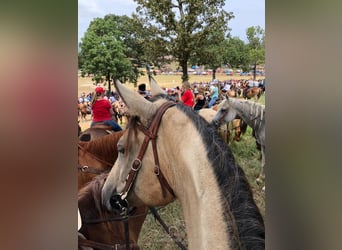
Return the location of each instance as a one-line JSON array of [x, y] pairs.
[[224, 113], [135, 175]]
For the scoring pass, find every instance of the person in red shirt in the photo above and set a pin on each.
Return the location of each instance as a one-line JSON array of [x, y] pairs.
[[102, 110], [185, 95]]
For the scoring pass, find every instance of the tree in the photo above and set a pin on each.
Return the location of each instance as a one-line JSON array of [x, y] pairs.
[[182, 29], [256, 45], [236, 53], [102, 52]]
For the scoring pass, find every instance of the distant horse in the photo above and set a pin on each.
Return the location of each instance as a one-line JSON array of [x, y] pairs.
[[215, 196], [83, 110], [119, 111], [253, 114], [97, 157], [224, 130], [252, 92]]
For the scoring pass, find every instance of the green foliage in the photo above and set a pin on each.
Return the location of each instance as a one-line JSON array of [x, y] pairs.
[[236, 53], [106, 49], [185, 30], [256, 44]]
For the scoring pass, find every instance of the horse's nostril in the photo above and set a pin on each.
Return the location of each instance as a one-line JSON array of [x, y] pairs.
[[118, 205]]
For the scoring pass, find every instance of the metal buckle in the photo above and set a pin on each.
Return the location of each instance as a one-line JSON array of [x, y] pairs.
[[137, 163], [84, 168]]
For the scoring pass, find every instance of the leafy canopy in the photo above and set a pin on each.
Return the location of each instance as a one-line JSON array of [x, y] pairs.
[[183, 30], [107, 49]]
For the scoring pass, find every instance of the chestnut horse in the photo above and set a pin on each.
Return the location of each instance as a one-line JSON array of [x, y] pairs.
[[252, 92], [94, 132], [215, 196], [97, 157], [224, 130], [83, 110]]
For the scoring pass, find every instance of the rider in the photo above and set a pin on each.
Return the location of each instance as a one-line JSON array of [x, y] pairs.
[[214, 93], [102, 110]]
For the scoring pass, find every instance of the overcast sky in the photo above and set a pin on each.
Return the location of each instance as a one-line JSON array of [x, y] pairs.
[[247, 13]]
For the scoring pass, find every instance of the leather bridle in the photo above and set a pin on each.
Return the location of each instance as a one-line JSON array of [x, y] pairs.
[[150, 135], [92, 170]]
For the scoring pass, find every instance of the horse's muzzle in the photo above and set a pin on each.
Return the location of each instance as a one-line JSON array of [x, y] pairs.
[[119, 205]]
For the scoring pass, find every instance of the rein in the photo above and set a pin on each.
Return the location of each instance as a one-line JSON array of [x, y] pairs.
[[92, 170], [103, 246], [150, 134]]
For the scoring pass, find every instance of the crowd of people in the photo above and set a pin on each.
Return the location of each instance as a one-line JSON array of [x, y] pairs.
[[196, 95]]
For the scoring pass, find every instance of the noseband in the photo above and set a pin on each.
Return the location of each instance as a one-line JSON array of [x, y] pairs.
[[150, 134]]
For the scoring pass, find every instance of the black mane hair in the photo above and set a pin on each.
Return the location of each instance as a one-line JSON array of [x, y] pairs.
[[247, 230], [245, 223]]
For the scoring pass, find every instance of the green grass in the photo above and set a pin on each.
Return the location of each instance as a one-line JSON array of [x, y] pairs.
[[247, 156]]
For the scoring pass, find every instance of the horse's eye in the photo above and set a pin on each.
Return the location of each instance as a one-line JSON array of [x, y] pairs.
[[121, 149]]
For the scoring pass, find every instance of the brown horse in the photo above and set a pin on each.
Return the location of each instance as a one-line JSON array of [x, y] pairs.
[[102, 229], [83, 110], [253, 92], [215, 196], [120, 111], [94, 158], [95, 132]]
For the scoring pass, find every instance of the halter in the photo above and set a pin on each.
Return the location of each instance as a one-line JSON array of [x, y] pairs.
[[150, 134]]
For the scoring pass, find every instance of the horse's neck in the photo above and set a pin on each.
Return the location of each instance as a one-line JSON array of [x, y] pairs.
[[200, 200], [251, 113]]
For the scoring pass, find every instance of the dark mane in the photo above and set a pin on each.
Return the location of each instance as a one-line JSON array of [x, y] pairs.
[[245, 223], [236, 192], [89, 197]]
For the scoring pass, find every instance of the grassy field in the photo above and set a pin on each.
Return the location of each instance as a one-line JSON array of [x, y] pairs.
[[248, 157]]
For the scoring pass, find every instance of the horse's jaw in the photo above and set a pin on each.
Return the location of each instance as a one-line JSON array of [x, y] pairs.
[[111, 187]]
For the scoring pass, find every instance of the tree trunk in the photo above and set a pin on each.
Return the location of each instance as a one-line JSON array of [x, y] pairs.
[[108, 79], [254, 72], [185, 75], [214, 74]]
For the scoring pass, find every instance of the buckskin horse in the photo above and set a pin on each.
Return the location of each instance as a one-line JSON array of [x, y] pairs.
[[253, 114], [215, 196], [95, 159]]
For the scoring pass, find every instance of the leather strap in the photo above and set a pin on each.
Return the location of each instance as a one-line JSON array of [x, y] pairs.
[[103, 246], [150, 134]]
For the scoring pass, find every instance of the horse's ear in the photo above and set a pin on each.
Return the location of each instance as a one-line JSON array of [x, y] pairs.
[[227, 97], [137, 105], [155, 88]]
